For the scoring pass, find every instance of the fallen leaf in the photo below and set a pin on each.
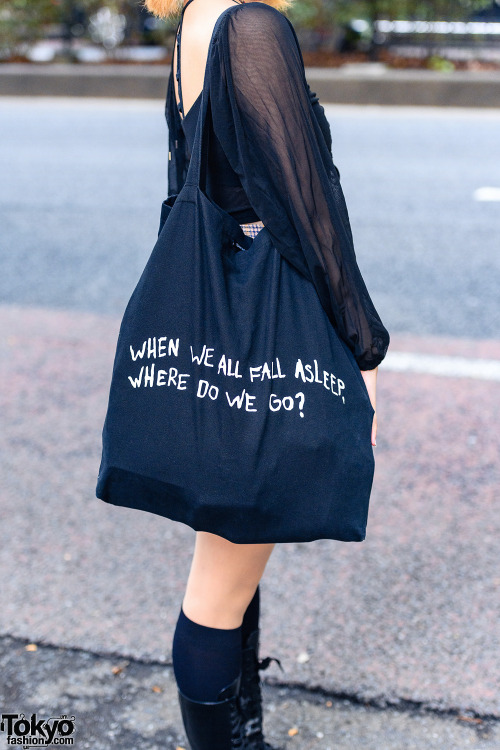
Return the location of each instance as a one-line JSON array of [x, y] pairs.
[[470, 719], [156, 689], [293, 731], [119, 668], [31, 647], [329, 704]]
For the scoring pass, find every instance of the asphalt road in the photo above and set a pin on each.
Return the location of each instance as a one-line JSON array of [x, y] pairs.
[[392, 644], [122, 704], [82, 182]]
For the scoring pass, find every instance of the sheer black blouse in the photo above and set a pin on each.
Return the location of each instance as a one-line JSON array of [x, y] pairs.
[[224, 186], [275, 137]]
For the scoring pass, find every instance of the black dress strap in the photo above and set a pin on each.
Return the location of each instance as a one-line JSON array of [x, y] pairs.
[[180, 106]]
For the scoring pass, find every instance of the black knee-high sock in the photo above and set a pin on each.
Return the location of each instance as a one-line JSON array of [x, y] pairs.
[[205, 660], [251, 617]]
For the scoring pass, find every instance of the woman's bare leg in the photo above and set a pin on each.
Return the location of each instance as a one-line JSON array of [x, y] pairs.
[[222, 580]]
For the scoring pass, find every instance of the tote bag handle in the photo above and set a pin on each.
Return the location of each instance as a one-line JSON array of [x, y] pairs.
[[196, 174], [197, 169]]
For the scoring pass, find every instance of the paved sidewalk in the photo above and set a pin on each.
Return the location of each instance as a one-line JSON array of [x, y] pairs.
[[130, 705], [406, 621]]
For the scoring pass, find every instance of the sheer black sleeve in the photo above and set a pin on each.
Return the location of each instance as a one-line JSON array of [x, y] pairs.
[[262, 112], [319, 112]]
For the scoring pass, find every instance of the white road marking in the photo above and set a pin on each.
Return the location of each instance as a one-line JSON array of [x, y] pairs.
[[410, 111], [450, 367], [487, 194]]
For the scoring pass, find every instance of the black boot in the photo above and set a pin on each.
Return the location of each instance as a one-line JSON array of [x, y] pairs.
[[250, 692], [214, 725]]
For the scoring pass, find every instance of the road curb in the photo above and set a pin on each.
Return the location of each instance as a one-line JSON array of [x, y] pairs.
[[405, 87], [357, 84]]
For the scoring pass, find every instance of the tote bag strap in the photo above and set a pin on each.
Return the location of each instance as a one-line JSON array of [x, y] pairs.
[[178, 33], [199, 157], [198, 163]]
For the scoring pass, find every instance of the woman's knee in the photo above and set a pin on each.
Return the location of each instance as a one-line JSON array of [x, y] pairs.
[[216, 608], [223, 579]]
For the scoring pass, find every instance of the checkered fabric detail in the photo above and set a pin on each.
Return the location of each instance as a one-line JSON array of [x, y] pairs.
[[251, 230]]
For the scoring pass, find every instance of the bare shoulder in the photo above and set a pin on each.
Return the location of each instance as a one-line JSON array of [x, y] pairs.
[[248, 17], [201, 17], [198, 25]]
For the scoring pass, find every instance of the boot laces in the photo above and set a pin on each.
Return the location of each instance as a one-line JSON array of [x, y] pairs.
[[266, 662], [237, 736], [252, 703]]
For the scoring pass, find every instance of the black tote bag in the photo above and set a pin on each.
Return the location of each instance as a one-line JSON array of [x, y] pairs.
[[234, 407]]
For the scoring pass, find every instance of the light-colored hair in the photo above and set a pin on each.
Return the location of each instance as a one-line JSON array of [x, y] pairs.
[[169, 8]]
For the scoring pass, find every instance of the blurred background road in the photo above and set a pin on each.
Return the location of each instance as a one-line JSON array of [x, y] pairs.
[[398, 636], [83, 181]]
